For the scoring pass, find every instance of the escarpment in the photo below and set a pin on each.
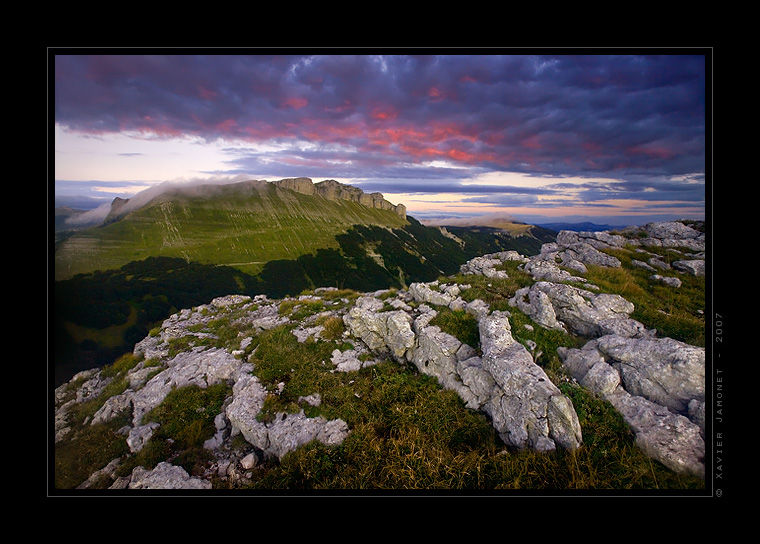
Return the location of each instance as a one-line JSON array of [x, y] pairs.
[[656, 383], [333, 190]]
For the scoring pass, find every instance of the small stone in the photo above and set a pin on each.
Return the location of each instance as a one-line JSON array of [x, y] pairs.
[[249, 461]]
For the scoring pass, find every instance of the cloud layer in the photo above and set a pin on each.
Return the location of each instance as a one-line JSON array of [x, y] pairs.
[[414, 124]]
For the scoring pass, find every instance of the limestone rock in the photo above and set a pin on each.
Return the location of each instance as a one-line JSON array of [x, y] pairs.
[[289, 431], [524, 408], [422, 292], [165, 476], [669, 438], [544, 268], [285, 432], [582, 312], [695, 267], [436, 355], [673, 234], [673, 282], [486, 264], [662, 370], [658, 387], [381, 331]]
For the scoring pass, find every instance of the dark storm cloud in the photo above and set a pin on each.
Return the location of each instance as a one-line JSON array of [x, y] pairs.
[[381, 117]]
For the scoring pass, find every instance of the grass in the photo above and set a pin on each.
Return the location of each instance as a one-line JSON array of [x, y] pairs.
[[674, 312], [236, 226], [495, 292], [407, 433], [186, 418], [458, 324], [298, 310]]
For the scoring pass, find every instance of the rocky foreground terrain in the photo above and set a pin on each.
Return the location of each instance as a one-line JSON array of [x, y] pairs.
[[656, 383]]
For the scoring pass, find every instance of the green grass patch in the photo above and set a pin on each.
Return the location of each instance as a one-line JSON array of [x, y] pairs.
[[495, 292], [333, 327], [91, 448], [303, 367], [298, 310], [187, 414], [458, 324], [186, 419], [675, 312]]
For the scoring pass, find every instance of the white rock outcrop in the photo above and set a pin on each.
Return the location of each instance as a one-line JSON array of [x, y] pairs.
[[657, 384]]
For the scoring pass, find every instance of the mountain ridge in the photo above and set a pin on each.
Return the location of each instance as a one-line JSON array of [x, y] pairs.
[[101, 310], [243, 224]]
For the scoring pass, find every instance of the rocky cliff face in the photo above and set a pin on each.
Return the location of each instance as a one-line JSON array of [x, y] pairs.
[[329, 189], [656, 383], [333, 190]]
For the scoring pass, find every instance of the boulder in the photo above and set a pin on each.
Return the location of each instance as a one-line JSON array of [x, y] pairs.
[[663, 370], [544, 268], [382, 332], [695, 267], [670, 230], [669, 438], [657, 385], [165, 476], [579, 311], [436, 355], [527, 409], [285, 432], [672, 282], [423, 292], [672, 234]]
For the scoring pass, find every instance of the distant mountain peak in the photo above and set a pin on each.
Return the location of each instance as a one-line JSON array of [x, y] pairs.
[[334, 190], [245, 224]]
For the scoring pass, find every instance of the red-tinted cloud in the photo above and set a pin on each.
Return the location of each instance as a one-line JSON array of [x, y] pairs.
[[295, 103], [560, 115]]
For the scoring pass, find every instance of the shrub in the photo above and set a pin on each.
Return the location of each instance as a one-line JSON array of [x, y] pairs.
[[333, 328]]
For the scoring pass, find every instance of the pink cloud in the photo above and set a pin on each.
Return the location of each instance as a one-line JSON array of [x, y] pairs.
[[383, 113], [205, 93], [653, 150], [227, 126], [295, 103]]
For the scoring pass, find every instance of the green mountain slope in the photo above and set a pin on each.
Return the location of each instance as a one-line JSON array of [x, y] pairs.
[[242, 225], [116, 282]]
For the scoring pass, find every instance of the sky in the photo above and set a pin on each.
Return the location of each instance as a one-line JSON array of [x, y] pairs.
[[615, 138]]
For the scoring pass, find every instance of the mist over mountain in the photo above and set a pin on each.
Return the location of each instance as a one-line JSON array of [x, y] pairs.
[[242, 224]]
